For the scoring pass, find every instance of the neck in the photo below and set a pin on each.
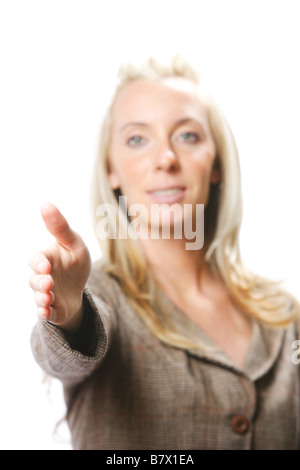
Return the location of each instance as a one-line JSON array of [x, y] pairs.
[[177, 271]]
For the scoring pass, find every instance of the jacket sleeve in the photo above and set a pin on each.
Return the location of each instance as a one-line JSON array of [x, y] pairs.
[[73, 358]]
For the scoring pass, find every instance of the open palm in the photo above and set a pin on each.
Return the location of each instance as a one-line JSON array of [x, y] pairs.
[[60, 273]]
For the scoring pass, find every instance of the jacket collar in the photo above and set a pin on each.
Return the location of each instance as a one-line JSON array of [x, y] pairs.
[[263, 351]]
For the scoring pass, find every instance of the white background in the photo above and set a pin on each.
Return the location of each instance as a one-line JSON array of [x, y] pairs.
[[58, 59]]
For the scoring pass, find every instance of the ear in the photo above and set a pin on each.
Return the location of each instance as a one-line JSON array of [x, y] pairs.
[[112, 178], [215, 176]]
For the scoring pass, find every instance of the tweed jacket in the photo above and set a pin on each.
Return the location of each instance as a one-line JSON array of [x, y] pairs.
[[125, 389]]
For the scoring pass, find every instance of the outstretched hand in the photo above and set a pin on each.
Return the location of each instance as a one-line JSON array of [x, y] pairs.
[[60, 273]]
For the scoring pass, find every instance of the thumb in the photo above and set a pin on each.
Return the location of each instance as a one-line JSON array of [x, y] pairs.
[[58, 226]]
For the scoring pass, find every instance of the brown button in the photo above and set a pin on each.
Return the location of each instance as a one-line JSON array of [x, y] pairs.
[[240, 424]]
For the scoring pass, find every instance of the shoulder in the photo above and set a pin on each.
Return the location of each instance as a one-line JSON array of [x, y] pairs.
[[106, 291]]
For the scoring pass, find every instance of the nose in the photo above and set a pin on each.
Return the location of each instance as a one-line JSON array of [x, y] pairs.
[[166, 158]]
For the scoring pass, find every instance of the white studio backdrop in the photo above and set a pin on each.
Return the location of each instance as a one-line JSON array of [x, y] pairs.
[[58, 62]]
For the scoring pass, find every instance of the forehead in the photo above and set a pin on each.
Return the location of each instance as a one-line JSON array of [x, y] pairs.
[[166, 99]]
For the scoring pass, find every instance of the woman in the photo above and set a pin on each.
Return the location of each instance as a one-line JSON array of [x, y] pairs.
[[159, 346]]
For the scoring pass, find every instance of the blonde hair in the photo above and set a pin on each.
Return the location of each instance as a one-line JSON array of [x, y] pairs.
[[260, 298]]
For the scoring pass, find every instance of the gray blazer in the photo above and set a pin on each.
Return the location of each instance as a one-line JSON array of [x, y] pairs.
[[124, 389]]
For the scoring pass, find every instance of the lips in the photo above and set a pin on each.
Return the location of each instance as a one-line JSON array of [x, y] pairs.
[[167, 194]]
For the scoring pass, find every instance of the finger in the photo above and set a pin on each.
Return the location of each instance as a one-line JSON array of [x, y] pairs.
[[44, 313], [47, 313], [40, 263], [41, 282], [58, 226], [44, 299]]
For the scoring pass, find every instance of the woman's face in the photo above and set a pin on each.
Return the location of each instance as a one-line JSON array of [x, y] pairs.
[[161, 148]]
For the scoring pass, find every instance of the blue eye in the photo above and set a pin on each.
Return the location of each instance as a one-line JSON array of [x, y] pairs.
[[135, 140], [190, 137]]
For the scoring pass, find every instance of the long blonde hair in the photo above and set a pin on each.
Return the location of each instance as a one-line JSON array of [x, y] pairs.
[[260, 298]]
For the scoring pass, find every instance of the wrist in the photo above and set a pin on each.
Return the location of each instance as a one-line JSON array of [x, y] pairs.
[[74, 323]]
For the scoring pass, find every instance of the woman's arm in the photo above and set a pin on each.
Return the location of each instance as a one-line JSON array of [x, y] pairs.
[[71, 336]]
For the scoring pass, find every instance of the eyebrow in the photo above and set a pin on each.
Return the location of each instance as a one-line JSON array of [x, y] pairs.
[[143, 124]]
